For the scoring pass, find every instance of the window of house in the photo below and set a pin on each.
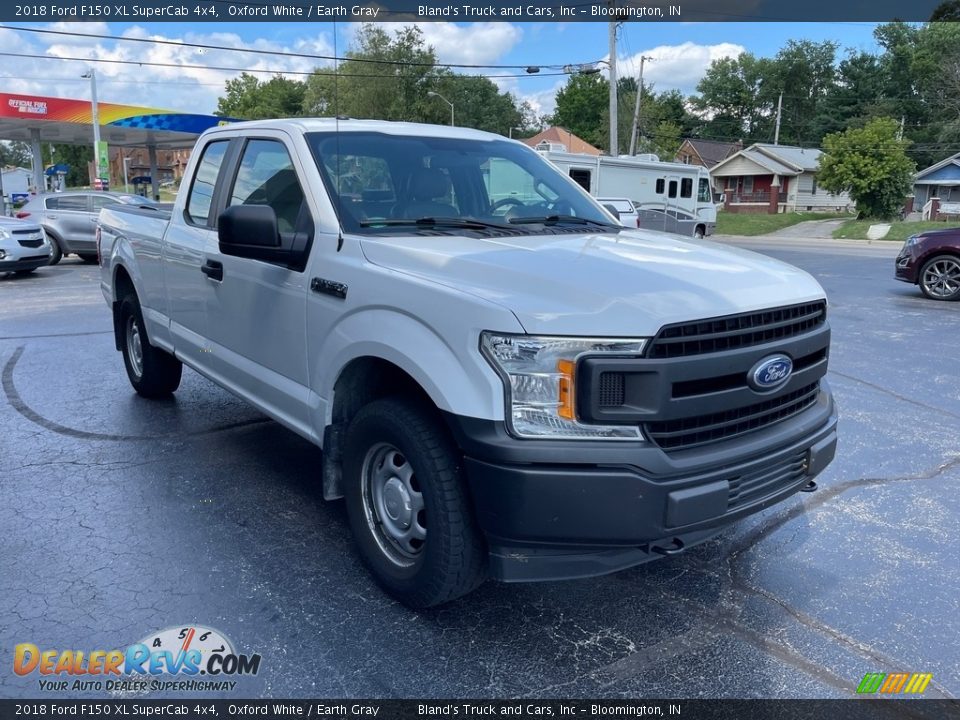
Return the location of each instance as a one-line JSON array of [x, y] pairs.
[[813, 186], [204, 181], [748, 184]]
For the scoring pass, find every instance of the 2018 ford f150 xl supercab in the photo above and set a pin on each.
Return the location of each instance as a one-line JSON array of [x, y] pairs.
[[519, 389]]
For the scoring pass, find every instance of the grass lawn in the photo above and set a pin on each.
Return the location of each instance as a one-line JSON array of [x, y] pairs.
[[743, 224], [899, 231]]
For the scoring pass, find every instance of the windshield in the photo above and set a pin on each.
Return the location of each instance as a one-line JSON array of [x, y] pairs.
[[395, 184]]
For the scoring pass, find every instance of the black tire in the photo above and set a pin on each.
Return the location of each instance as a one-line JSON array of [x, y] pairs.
[[939, 278], [57, 254], [699, 232], [153, 373], [88, 258], [450, 560]]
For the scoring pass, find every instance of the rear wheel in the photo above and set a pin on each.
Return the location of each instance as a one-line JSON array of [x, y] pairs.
[[407, 504], [153, 372], [57, 253], [699, 232], [940, 278]]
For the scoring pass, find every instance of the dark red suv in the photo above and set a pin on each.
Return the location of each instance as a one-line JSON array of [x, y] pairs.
[[932, 260]]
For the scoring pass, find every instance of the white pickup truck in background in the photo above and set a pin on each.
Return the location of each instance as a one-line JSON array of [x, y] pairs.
[[516, 388]]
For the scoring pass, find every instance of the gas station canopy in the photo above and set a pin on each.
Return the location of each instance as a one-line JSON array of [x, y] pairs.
[[60, 120]]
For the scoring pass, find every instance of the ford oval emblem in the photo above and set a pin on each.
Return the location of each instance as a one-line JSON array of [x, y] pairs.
[[770, 373]]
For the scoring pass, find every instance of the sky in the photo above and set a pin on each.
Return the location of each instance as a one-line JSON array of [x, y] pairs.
[[681, 53]]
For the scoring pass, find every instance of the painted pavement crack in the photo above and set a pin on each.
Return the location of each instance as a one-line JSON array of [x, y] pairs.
[[18, 404]]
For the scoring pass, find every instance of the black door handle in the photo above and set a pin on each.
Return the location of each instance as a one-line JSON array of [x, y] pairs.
[[213, 270]]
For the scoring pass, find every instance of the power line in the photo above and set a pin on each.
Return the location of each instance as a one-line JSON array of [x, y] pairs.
[[221, 68], [279, 53]]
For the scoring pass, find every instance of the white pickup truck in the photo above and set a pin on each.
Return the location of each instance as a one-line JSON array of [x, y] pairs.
[[519, 389]]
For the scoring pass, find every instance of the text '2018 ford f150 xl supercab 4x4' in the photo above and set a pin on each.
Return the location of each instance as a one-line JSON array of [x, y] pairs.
[[517, 388]]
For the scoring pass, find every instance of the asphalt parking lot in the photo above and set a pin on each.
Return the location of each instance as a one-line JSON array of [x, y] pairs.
[[121, 517]]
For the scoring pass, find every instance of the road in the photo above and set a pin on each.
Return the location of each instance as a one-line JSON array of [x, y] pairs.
[[122, 517]]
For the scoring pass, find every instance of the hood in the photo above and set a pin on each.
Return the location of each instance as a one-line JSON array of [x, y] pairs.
[[11, 224], [625, 284]]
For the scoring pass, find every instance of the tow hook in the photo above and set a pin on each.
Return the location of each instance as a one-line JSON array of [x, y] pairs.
[[676, 548], [811, 486]]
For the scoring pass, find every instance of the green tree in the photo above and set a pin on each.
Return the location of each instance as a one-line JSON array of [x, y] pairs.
[[386, 77], [16, 153], [582, 106], [249, 98], [869, 163]]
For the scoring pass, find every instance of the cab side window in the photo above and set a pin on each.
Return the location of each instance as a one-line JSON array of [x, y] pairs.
[[204, 182], [266, 177]]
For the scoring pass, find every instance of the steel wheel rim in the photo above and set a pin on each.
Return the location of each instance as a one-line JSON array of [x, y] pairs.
[[134, 347], [393, 504], [942, 278]]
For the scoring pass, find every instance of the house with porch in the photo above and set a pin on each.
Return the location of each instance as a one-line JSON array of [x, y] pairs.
[[766, 178], [936, 190]]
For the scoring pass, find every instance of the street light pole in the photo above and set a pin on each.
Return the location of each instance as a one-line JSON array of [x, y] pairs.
[[95, 116], [431, 93]]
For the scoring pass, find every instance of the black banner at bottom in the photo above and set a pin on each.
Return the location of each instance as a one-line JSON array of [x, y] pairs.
[[854, 709]]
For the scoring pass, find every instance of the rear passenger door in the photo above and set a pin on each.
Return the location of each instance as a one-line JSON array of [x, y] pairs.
[[256, 312], [70, 220]]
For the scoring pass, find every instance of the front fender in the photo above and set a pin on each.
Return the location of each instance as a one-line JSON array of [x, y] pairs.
[[452, 372]]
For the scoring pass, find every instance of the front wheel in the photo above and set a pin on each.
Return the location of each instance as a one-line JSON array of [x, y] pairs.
[[699, 232], [57, 254], [153, 372], [407, 504], [940, 278]]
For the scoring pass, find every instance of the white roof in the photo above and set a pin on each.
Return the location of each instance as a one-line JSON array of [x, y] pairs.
[[352, 125]]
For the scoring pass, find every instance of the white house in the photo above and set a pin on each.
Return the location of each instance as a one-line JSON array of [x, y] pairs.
[[16, 180], [767, 178]]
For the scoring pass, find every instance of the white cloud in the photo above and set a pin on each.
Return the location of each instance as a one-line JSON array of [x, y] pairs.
[[677, 66], [173, 87]]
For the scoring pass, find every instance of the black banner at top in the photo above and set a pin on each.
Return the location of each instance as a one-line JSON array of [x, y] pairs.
[[480, 11]]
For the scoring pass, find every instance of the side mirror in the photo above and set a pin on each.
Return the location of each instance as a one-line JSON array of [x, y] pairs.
[[252, 231], [612, 210], [242, 227]]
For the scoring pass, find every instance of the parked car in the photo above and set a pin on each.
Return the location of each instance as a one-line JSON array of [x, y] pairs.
[[626, 213], [932, 260], [23, 246], [538, 395], [70, 219]]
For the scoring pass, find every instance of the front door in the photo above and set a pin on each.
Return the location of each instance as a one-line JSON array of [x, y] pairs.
[[256, 311]]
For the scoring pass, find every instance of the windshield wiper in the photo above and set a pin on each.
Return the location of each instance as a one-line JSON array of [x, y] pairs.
[[435, 222], [561, 220]]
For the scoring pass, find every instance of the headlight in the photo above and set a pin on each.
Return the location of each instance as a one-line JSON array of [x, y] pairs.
[[540, 377], [912, 240]]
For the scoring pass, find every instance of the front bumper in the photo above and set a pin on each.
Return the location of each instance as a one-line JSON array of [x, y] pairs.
[[561, 509], [907, 265], [25, 262]]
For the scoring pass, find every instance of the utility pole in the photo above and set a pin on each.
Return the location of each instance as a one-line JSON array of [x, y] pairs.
[[612, 31], [776, 133], [903, 119], [636, 109]]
